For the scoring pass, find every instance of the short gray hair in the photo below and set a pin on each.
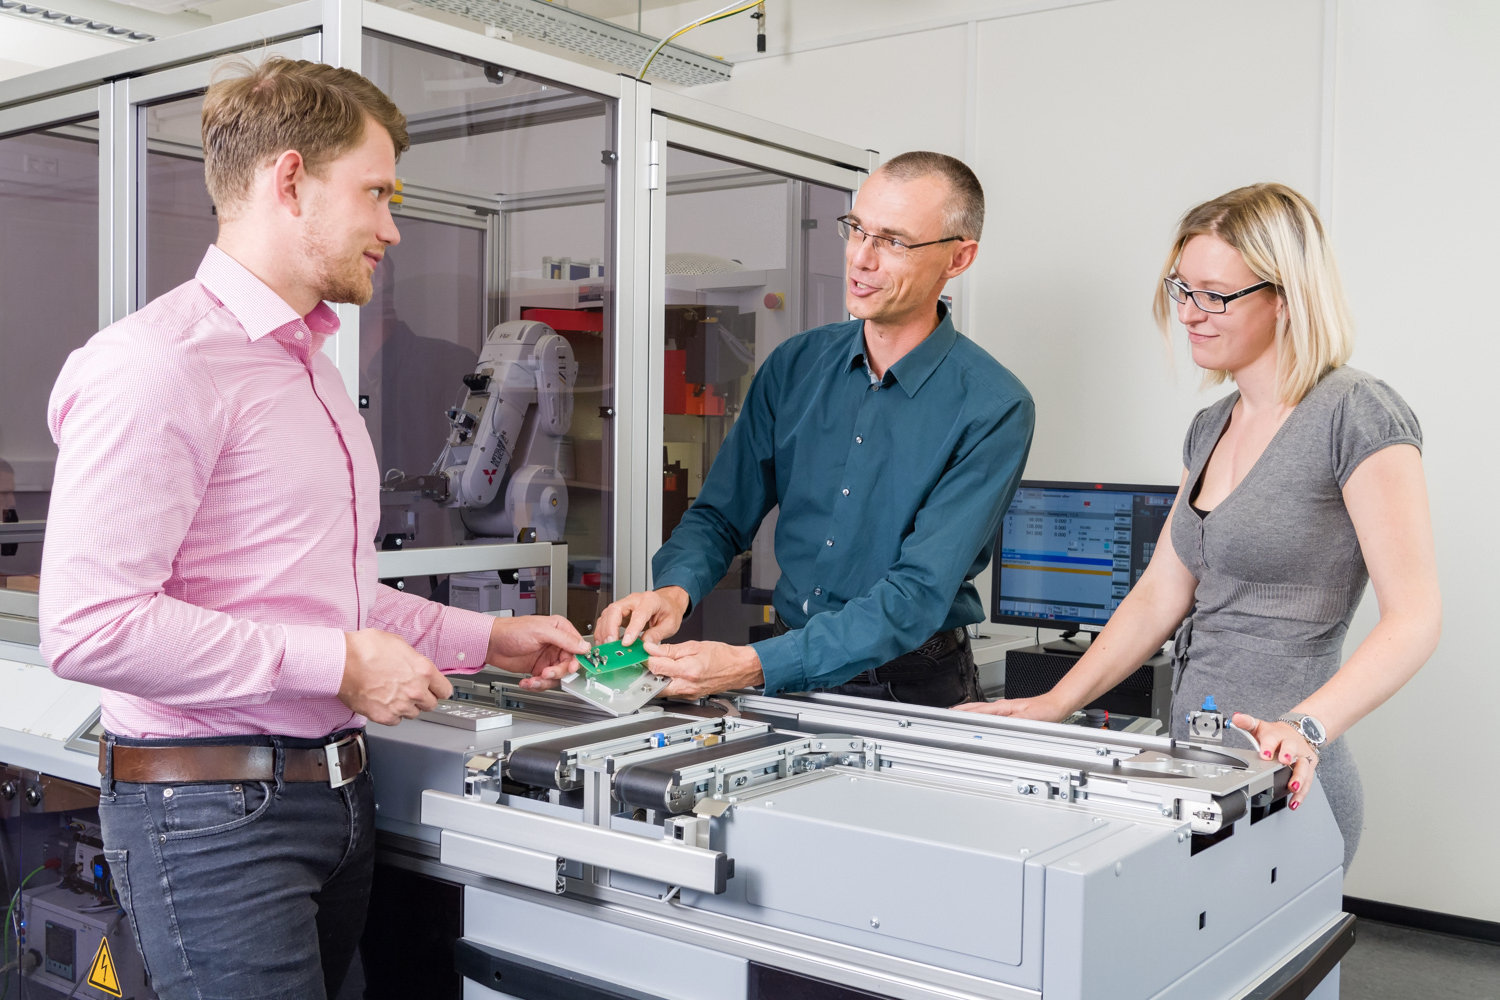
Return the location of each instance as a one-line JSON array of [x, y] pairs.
[[963, 215]]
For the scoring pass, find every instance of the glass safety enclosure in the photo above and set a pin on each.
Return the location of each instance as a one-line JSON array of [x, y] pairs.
[[590, 270], [750, 257], [487, 361], [49, 305]]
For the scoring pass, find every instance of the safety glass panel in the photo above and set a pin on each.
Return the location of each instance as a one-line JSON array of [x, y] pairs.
[[177, 221], [49, 280], [487, 361], [752, 257]]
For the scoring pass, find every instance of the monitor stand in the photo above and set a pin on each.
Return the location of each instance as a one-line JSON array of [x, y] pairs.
[[1071, 643]]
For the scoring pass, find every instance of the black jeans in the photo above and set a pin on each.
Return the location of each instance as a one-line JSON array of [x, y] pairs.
[[940, 673]]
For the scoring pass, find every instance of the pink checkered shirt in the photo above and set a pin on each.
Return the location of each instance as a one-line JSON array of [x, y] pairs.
[[211, 533]]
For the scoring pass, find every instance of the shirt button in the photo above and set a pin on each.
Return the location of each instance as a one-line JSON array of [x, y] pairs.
[[846, 491], [817, 591], [858, 439], [462, 657], [299, 335], [829, 543]]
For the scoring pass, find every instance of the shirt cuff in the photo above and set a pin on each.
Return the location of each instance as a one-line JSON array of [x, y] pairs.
[[312, 662], [781, 663], [684, 578], [463, 641]]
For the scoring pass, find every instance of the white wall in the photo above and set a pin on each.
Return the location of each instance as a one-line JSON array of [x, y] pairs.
[[1415, 206], [1093, 125]]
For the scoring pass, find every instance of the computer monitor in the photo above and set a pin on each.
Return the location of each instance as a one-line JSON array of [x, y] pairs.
[[1068, 553]]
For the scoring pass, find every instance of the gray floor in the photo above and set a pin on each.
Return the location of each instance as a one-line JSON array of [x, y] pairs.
[[1389, 962]]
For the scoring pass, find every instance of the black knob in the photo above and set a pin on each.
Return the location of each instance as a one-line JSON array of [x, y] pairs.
[[34, 796], [8, 790], [476, 381]]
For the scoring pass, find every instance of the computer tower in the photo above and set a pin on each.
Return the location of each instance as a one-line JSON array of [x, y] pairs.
[[1033, 670]]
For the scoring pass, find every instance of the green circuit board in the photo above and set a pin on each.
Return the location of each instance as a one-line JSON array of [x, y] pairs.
[[614, 677], [608, 657]]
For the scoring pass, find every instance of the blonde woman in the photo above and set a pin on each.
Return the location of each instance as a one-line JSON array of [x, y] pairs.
[[1297, 487]]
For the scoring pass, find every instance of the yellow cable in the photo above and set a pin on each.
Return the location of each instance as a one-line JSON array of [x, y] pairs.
[[718, 15]]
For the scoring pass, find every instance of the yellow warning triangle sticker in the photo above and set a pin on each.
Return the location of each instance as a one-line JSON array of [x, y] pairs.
[[102, 973]]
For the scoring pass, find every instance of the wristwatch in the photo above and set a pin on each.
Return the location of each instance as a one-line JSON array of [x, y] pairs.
[[1311, 729]]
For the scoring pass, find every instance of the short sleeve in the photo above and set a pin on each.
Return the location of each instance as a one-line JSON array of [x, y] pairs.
[[1201, 432], [1370, 416]]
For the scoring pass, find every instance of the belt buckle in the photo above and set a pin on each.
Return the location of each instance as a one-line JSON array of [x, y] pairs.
[[336, 778]]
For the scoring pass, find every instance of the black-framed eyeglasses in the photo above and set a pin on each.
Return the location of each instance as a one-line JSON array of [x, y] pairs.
[[849, 229], [1210, 302]]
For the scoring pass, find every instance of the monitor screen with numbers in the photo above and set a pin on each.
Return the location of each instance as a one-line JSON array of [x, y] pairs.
[[1068, 553]]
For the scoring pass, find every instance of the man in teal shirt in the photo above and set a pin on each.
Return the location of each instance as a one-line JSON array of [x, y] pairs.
[[892, 444]]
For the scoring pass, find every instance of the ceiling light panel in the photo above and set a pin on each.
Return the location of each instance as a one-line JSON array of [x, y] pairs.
[[590, 36]]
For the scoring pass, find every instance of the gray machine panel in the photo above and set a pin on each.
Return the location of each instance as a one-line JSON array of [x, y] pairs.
[[925, 855], [887, 843], [572, 938], [409, 758]]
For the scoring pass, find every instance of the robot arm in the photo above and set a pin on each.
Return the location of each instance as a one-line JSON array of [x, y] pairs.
[[500, 463]]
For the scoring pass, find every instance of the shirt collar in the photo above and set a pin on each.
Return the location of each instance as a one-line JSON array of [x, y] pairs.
[[918, 364], [252, 302]]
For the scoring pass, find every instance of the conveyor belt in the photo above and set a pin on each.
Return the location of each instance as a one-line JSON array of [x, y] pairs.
[[649, 785], [540, 764], [1110, 766]]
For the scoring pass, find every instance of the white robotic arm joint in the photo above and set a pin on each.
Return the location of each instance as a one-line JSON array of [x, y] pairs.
[[504, 441]]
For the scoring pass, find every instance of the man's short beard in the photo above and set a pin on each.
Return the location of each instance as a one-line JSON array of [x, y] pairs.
[[333, 286], [334, 289]]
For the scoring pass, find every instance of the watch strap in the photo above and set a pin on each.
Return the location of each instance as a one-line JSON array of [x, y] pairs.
[[1297, 721]]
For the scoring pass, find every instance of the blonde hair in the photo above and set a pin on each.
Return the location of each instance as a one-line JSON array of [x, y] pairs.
[[316, 109], [1277, 232]]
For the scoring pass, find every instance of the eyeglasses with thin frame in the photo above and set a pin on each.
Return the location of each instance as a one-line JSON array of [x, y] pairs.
[[891, 246], [1210, 302]]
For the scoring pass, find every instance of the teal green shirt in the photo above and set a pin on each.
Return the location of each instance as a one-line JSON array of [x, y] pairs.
[[890, 495]]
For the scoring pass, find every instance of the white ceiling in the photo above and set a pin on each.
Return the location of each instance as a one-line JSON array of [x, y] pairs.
[[616, 8]]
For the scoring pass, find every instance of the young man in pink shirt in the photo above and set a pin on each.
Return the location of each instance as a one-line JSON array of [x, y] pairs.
[[210, 561]]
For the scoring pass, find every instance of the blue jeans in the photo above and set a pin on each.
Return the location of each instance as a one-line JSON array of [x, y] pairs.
[[251, 891]]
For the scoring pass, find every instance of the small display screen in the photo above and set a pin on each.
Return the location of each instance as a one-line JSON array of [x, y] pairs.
[[1068, 553], [62, 947]]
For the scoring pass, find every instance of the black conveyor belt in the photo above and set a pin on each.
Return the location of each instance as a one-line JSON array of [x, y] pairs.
[[538, 764], [647, 786]]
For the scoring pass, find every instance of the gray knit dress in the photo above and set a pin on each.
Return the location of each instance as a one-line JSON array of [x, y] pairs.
[[1279, 567]]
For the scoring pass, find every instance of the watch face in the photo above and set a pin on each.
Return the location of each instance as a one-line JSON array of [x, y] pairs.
[[1313, 730]]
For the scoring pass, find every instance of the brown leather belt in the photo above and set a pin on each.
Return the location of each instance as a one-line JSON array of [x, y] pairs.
[[335, 764]]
